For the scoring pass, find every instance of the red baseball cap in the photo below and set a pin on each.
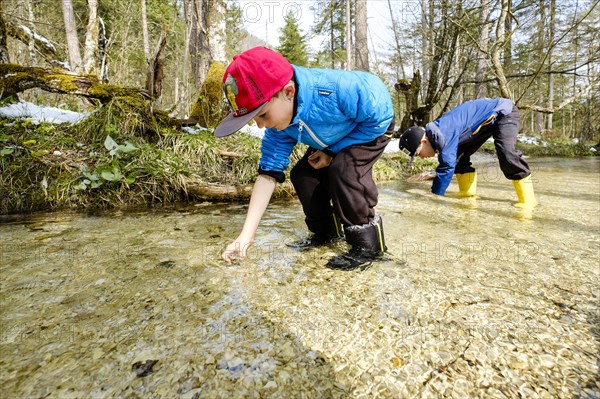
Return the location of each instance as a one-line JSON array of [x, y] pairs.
[[252, 78]]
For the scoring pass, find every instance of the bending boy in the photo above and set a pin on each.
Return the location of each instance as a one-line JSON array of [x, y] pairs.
[[457, 134], [343, 117]]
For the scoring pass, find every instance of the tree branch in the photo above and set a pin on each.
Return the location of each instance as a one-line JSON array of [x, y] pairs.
[[566, 102], [552, 45], [16, 78]]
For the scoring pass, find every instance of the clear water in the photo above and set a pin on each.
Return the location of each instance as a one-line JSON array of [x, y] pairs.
[[477, 299]]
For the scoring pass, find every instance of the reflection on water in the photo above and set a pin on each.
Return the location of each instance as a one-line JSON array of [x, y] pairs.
[[478, 300]]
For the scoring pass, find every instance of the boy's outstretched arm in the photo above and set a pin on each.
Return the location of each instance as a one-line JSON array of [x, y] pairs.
[[261, 195]]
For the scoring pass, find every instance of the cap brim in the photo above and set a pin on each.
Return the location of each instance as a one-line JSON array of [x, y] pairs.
[[232, 123]]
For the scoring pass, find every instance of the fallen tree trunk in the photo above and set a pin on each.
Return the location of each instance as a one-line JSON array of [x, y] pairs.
[[17, 78], [224, 192]]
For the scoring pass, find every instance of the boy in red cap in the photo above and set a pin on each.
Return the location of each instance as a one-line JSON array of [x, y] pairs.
[[457, 134], [343, 117]]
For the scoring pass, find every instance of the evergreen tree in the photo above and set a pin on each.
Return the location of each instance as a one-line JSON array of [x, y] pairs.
[[236, 34], [331, 25], [292, 42]]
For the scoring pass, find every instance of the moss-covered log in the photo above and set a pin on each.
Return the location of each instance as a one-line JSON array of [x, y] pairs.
[[17, 78]]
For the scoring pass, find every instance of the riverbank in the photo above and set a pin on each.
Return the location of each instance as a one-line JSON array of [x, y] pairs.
[[115, 157]]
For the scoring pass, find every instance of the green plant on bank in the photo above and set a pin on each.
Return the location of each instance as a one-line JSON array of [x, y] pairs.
[[108, 172]]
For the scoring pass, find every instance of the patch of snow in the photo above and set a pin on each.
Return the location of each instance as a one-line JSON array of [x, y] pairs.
[[38, 37], [531, 140], [392, 146], [41, 113]]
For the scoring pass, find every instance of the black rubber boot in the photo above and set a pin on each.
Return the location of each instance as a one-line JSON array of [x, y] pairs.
[[368, 245], [322, 234]]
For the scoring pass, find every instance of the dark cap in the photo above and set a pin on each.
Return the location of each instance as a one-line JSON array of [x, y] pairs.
[[411, 139]]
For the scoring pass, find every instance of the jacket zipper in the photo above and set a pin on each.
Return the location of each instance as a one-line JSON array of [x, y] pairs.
[[302, 125]]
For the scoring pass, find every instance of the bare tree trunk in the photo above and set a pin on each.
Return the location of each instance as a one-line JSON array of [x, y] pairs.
[[217, 36], [90, 53], [551, 30], [410, 90], [71, 36], [362, 46], [497, 48], [199, 41], [575, 57], [426, 27], [207, 35], [348, 37], [397, 39], [4, 58], [507, 58], [102, 43], [31, 44], [155, 68], [145, 36], [332, 38], [182, 105], [539, 117], [484, 12]]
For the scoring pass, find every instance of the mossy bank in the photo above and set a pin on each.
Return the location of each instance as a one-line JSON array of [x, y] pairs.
[[118, 157]]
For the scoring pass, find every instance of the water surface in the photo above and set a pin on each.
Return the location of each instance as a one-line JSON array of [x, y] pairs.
[[476, 299]]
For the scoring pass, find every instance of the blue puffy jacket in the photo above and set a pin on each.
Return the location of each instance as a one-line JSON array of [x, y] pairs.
[[458, 126], [336, 109]]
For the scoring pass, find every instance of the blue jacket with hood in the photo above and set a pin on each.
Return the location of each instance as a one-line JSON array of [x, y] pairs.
[[458, 126], [335, 109]]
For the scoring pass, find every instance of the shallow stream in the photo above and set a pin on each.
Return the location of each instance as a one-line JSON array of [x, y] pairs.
[[477, 299]]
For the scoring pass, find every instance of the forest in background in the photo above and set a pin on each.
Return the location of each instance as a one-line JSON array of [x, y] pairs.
[[542, 53]]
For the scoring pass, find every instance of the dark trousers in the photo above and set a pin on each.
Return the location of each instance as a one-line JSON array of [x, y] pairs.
[[345, 187], [504, 131]]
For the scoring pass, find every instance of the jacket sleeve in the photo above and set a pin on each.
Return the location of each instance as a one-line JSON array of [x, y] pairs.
[[447, 164], [366, 100], [275, 148]]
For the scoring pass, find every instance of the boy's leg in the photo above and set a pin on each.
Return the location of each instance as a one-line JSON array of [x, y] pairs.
[[511, 160], [468, 147], [353, 191], [312, 187], [354, 196], [465, 173]]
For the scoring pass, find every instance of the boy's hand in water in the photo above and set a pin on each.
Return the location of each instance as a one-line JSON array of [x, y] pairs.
[[319, 159], [237, 250]]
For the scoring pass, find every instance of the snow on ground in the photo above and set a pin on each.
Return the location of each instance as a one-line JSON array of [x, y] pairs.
[[531, 140], [40, 113]]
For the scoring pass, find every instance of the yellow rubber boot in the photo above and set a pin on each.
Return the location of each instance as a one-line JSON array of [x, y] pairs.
[[467, 184], [524, 189]]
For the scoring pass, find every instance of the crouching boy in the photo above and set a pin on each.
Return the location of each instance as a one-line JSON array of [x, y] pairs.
[[457, 134], [343, 117]]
